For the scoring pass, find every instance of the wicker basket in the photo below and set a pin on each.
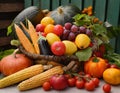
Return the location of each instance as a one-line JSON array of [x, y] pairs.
[[70, 63], [61, 59]]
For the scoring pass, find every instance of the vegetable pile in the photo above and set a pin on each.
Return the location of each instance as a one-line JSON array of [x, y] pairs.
[[73, 48]]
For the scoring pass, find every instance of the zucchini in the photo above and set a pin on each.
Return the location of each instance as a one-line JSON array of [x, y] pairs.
[[44, 46]]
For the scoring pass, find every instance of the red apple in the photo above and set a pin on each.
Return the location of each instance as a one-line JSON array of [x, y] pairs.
[[39, 28], [58, 30], [58, 48], [59, 82]]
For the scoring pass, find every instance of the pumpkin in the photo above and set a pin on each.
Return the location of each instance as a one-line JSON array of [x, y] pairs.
[[95, 66], [13, 63], [64, 14]]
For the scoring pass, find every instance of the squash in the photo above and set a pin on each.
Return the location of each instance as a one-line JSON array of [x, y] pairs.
[[32, 13], [95, 66], [64, 14], [112, 76]]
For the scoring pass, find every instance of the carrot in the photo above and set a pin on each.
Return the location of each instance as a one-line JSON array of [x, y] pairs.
[[34, 37], [24, 40]]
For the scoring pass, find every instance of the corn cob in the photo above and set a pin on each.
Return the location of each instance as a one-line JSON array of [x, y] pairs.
[[24, 40], [21, 75], [39, 79], [34, 37]]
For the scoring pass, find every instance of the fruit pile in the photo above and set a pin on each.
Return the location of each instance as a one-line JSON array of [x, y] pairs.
[[85, 38]]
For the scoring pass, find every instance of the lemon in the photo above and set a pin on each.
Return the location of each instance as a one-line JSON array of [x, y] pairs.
[[82, 41], [71, 48], [51, 38], [47, 20]]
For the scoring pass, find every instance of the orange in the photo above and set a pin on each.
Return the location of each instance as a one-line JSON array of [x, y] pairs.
[[47, 20], [49, 29]]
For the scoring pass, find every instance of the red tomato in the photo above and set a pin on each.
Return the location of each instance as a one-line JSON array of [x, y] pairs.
[[80, 84], [39, 28], [43, 34], [46, 86], [90, 86], [58, 48], [71, 82], [96, 81], [58, 30], [67, 76], [113, 66], [106, 88]]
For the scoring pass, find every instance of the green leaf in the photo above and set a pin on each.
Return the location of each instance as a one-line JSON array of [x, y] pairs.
[[9, 29], [101, 32], [79, 16], [5, 53], [82, 19], [113, 32], [99, 29], [113, 58], [84, 55]]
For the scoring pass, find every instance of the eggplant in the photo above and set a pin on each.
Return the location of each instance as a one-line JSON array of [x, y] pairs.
[[44, 46]]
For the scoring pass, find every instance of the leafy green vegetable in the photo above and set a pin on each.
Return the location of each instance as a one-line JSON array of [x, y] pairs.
[[5, 53], [113, 58], [84, 55], [82, 19], [113, 32]]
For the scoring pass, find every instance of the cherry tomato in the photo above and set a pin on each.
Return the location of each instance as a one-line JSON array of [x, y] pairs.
[[90, 86], [76, 77], [46, 86], [80, 84], [71, 82], [113, 66], [96, 81], [106, 88], [67, 76]]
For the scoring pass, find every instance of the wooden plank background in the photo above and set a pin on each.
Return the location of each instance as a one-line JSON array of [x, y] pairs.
[[8, 10]]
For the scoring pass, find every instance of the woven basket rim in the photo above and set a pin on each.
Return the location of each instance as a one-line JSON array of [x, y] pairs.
[[48, 57]]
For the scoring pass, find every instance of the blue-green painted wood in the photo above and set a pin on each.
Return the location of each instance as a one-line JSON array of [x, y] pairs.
[[27, 3], [78, 3], [55, 4], [37, 3], [45, 4], [113, 11], [113, 16], [65, 2], [87, 3], [100, 5]]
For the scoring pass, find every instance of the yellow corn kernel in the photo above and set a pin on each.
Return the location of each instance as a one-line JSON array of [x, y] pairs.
[[21, 75], [39, 79]]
